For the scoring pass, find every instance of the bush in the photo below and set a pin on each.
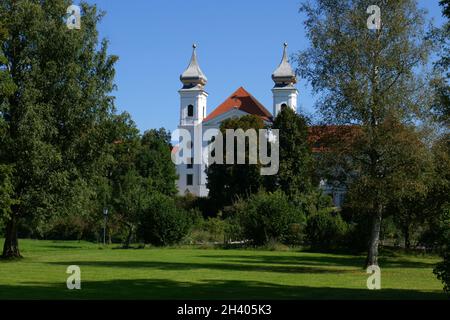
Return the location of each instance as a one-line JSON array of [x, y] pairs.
[[442, 271], [313, 202], [437, 230], [268, 217], [325, 229], [70, 227], [163, 223], [209, 230]]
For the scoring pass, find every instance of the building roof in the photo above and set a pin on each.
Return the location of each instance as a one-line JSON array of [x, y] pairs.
[[193, 75], [244, 101], [284, 75], [321, 137]]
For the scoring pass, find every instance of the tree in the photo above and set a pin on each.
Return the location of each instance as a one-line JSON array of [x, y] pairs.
[[270, 216], [409, 213], [141, 166], [442, 37], [366, 78], [441, 151], [295, 171], [163, 223], [6, 191], [154, 162], [225, 180], [55, 104]]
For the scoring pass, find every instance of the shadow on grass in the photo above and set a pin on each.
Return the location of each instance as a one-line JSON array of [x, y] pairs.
[[57, 246], [177, 266], [209, 289], [322, 260]]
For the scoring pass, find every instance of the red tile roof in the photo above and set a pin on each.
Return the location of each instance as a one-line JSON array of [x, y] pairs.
[[243, 101], [321, 137]]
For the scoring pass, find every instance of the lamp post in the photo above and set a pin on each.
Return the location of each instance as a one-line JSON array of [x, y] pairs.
[[105, 214]]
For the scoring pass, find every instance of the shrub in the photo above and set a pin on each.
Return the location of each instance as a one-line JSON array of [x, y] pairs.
[[325, 229], [270, 217], [437, 231], [442, 271], [209, 230], [71, 227], [312, 202], [163, 223]]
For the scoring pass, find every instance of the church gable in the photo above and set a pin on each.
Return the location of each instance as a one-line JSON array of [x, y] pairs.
[[242, 101]]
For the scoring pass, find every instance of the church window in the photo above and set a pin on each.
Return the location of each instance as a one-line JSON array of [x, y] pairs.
[[189, 179], [190, 110], [283, 106]]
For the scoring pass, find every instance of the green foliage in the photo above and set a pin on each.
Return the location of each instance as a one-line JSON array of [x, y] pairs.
[[155, 163], [55, 107], [295, 170], [442, 271], [6, 192], [209, 230], [139, 167], [270, 216], [162, 222], [442, 38], [225, 180], [325, 230], [73, 227], [437, 202], [313, 201], [368, 78]]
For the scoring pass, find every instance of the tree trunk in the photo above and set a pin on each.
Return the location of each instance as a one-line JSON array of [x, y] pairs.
[[407, 238], [11, 245], [130, 234], [372, 256]]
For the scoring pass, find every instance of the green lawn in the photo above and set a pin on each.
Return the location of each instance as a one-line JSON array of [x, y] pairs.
[[112, 273]]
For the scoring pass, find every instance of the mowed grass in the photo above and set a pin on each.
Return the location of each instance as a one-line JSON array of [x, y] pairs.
[[168, 273]]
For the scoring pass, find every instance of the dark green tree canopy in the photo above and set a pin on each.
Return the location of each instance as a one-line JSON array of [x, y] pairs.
[[295, 171], [55, 103], [225, 181]]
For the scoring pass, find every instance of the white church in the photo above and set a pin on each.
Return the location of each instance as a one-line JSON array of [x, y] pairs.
[[192, 177]]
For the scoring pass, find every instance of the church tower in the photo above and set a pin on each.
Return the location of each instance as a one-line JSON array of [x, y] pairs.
[[284, 92], [193, 99]]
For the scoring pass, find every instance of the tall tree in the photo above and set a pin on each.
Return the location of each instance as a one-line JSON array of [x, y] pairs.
[[155, 162], [225, 181], [295, 171], [442, 37], [439, 198], [56, 106], [141, 166], [367, 78]]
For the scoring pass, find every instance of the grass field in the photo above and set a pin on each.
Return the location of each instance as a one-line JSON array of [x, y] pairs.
[[112, 273]]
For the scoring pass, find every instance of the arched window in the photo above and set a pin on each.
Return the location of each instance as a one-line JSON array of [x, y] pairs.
[[283, 106], [190, 110]]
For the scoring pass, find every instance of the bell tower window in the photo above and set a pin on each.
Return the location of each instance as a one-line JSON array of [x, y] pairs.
[[190, 110]]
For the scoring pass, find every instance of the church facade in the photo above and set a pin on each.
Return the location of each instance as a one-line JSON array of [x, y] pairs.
[[192, 176]]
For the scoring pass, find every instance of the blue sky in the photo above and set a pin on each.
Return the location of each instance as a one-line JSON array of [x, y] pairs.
[[239, 44]]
